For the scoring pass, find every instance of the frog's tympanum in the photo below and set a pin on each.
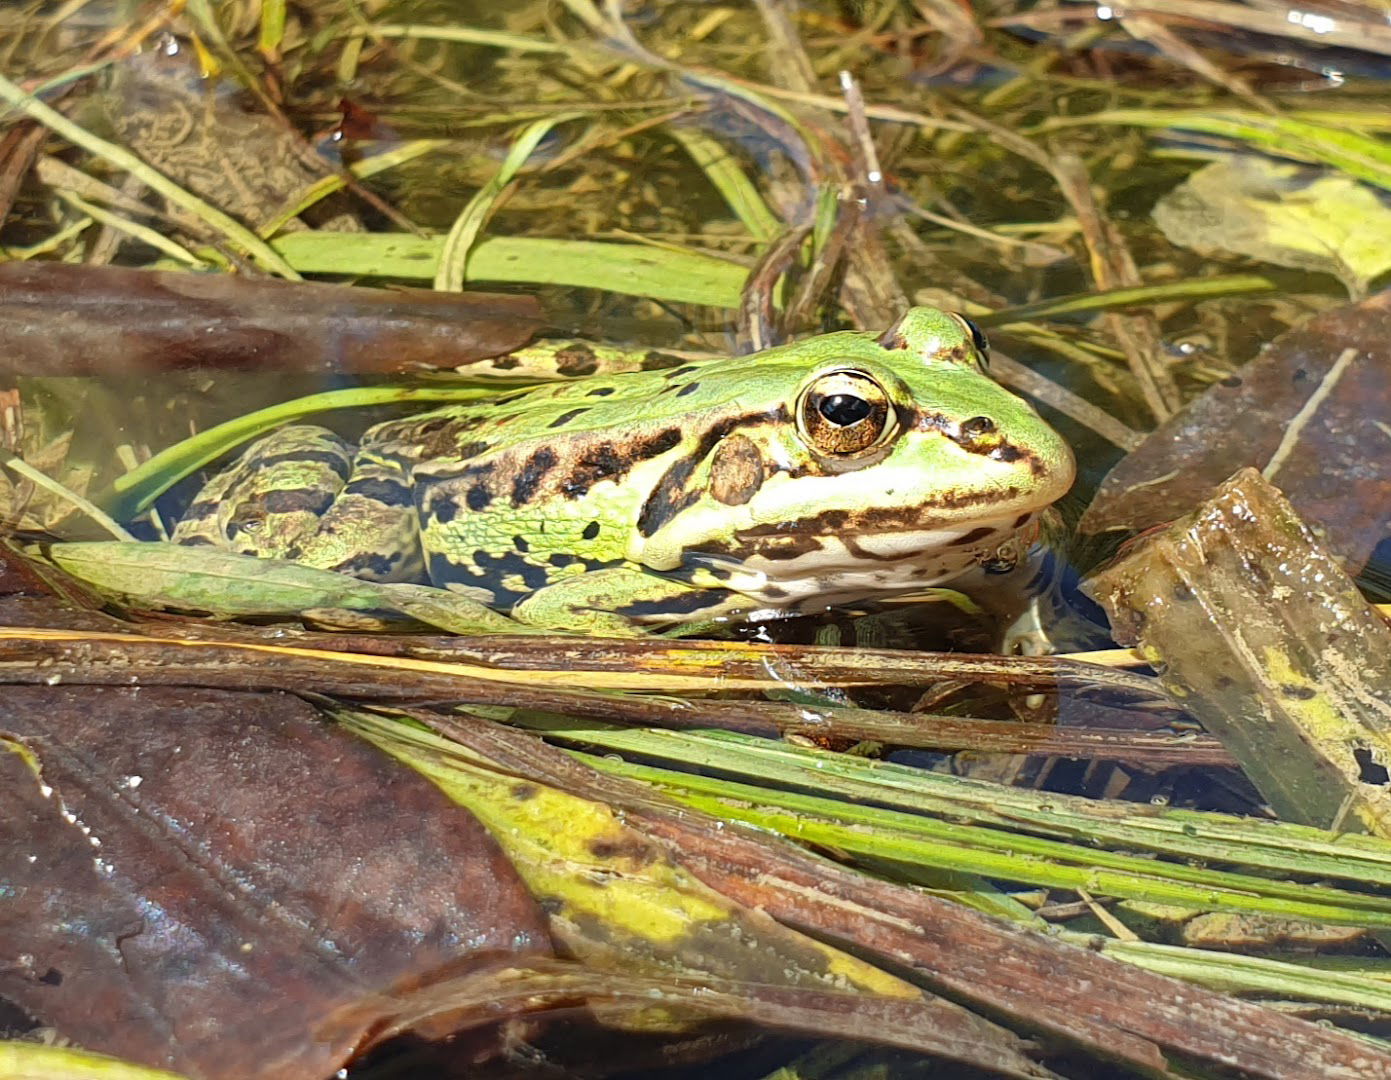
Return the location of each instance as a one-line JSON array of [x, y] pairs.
[[841, 468]]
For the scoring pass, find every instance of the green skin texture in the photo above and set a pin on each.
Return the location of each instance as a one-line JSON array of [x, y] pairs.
[[670, 497]]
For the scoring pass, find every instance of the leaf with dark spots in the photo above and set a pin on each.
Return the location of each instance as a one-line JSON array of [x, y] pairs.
[[106, 320], [1312, 410], [206, 880]]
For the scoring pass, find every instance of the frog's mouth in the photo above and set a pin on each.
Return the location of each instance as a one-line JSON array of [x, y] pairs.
[[783, 569]]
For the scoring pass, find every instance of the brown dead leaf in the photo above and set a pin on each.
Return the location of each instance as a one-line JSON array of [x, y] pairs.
[[201, 880], [58, 319]]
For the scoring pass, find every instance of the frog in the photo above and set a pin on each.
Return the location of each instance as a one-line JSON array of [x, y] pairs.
[[848, 467]]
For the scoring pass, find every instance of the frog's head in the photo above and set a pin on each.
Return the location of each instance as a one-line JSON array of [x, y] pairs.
[[868, 463]]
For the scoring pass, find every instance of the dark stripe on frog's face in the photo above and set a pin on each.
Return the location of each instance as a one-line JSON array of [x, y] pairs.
[[612, 460], [537, 467], [673, 493], [976, 435], [785, 540]]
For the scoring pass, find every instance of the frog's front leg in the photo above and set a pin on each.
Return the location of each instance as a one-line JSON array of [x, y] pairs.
[[622, 601]]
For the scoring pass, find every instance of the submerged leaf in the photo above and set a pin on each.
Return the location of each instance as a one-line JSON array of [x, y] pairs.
[[1267, 640], [1283, 214], [1313, 411]]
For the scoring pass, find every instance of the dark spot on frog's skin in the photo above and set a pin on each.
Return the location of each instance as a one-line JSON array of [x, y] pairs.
[[561, 558], [671, 494], [533, 472], [386, 492], [892, 339], [736, 471], [576, 360], [497, 567], [599, 463], [1369, 770], [371, 567], [1006, 453], [606, 460], [340, 464], [1231, 382], [473, 449], [507, 399], [600, 391], [685, 603], [519, 542], [972, 537], [590, 531], [300, 499], [197, 541], [525, 792], [478, 498], [1021, 521], [689, 388], [774, 592], [1297, 691], [504, 363], [657, 361], [565, 417], [685, 369]]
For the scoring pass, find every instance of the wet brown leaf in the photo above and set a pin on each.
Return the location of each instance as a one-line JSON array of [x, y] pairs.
[[1267, 640], [201, 880], [88, 320], [1313, 411]]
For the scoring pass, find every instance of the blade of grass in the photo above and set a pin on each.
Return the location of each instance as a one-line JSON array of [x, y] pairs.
[[361, 170], [143, 233], [122, 158], [688, 277], [916, 841], [1194, 289], [1275, 847], [739, 192], [453, 260], [1245, 974], [1355, 154]]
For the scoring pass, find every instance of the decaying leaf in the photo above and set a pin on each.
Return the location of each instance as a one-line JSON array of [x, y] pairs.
[[1289, 215], [198, 880], [1264, 636], [1313, 410], [58, 319]]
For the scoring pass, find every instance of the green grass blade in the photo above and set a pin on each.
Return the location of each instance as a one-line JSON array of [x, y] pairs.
[[739, 192], [682, 277], [453, 260]]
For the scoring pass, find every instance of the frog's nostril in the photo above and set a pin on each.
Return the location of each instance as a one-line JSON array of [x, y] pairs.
[[977, 426]]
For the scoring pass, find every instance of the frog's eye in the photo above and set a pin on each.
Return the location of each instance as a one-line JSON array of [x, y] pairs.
[[845, 412], [978, 339]]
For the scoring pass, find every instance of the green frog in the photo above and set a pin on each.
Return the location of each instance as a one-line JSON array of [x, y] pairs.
[[842, 468]]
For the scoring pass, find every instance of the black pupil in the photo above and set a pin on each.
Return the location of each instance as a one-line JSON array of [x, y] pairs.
[[843, 409]]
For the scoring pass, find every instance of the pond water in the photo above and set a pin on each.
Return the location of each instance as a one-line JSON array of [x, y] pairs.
[[1171, 224]]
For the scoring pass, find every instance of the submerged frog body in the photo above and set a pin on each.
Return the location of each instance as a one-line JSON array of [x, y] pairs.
[[844, 467]]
